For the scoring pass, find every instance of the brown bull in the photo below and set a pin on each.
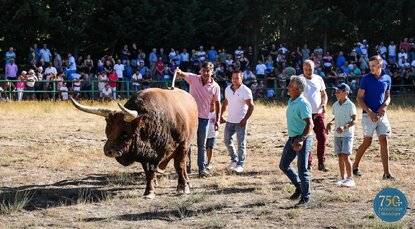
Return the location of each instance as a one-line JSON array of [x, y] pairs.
[[153, 127]]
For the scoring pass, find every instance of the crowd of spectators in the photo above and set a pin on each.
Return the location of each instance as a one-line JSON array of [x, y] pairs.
[[132, 69]]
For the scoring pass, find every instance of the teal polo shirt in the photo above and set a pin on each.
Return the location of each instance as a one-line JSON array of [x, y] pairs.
[[297, 110]]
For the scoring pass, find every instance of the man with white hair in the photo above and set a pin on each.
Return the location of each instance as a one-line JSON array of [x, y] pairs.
[[315, 93], [300, 141]]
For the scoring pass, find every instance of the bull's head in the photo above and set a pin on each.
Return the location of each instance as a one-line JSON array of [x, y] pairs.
[[120, 128]]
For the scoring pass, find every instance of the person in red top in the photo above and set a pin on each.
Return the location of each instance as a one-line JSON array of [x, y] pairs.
[[159, 69], [113, 77], [404, 45]]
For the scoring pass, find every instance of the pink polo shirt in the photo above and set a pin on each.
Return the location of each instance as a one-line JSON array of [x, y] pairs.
[[202, 94]]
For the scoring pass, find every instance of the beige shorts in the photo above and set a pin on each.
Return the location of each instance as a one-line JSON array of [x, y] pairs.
[[382, 126]]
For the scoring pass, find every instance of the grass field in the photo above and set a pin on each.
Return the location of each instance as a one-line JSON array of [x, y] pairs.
[[53, 173]]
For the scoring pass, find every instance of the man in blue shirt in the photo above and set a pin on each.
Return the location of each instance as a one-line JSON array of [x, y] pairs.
[[212, 53], [300, 141], [374, 97]]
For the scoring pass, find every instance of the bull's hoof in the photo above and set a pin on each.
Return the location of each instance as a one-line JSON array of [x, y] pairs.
[[156, 183], [151, 195], [183, 190]]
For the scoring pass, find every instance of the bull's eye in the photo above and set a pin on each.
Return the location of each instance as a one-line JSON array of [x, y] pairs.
[[125, 136]]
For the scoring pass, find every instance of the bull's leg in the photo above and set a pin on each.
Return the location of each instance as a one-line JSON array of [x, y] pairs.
[[150, 176], [180, 166], [163, 163]]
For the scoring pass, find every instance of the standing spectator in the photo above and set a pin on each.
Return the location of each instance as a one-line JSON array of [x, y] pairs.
[[297, 55], [300, 141], [403, 54], [411, 49], [89, 66], [163, 55], [344, 112], [45, 55], [239, 52], [153, 59], [57, 61], [11, 71], [102, 81], [30, 84], [142, 68], [159, 76], [392, 51], [172, 55], [142, 56], [404, 45], [119, 69], [203, 89], [260, 70], [250, 54], [184, 59], [64, 92], [10, 55], [31, 57], [382, 50], [327, 62], [340, 60], [374, 97], [112, 81], [201, 55], [222, 56], [315, 93], [212, 54], [134, 56], [125, 54], [86, 86], [364, 63], [364, 47], [238, 97], [128, 72], [20, 86], [71, 66], [305, 52]]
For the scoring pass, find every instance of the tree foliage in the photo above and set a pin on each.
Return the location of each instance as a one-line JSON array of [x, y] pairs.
[[104, 26]]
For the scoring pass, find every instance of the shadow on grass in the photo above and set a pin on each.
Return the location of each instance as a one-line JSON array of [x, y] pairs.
[[91, 189]]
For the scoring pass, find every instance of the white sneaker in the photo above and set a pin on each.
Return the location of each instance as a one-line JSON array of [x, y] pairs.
[[340, 182], [349, 182], [239, 169], [232, 165]]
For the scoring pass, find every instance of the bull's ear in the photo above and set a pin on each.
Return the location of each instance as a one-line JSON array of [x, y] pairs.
[[129, 115]]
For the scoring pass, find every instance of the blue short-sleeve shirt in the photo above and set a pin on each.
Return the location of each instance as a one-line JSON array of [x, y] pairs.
[[375, 90], [297, 110]]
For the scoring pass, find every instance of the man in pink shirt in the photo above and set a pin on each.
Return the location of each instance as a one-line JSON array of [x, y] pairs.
[[204, 90]]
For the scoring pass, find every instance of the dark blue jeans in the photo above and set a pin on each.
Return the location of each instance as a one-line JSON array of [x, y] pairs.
[[301, 180], [202, 130]]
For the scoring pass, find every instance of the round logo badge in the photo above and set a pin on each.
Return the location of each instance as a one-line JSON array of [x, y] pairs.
[[390, 205]]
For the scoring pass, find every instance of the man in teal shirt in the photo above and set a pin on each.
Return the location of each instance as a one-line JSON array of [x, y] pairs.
[[300, 141]]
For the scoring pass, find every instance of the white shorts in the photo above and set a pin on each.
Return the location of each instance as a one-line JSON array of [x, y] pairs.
[[382, 126]]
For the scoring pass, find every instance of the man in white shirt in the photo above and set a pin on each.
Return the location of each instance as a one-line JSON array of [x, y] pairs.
[[315, 93], [45, 54], [260, 69], [238, 98], [119, 69]]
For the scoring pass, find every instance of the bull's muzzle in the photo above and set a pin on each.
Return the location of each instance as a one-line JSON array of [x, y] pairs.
[[113, 153]]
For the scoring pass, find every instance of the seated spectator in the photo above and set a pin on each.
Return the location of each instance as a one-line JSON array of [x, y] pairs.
[[248, 77], [355, 71], [345, 68], [403, 63], [106, 93], [327, 62], [64, 92], [137, 78], [319, 72]]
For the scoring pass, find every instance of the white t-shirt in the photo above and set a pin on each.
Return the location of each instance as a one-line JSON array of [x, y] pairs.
[[50, 70], [137, 77], [392, 50], [119, 68], [211, 131], [260, 69], [237, 107], [343, 115], [238, 53], [106, 92], [312, 92], [71, 63], [64, 92]]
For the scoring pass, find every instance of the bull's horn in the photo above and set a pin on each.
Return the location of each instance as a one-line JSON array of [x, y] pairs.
[[101, 112], [129, 115]]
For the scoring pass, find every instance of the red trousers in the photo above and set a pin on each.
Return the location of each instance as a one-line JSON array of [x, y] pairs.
[[320, 131]]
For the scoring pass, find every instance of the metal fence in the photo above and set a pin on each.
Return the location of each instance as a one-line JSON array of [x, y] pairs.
[[272, 88]]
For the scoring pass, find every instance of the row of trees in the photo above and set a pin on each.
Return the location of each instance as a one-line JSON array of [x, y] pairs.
[[103, 26]]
